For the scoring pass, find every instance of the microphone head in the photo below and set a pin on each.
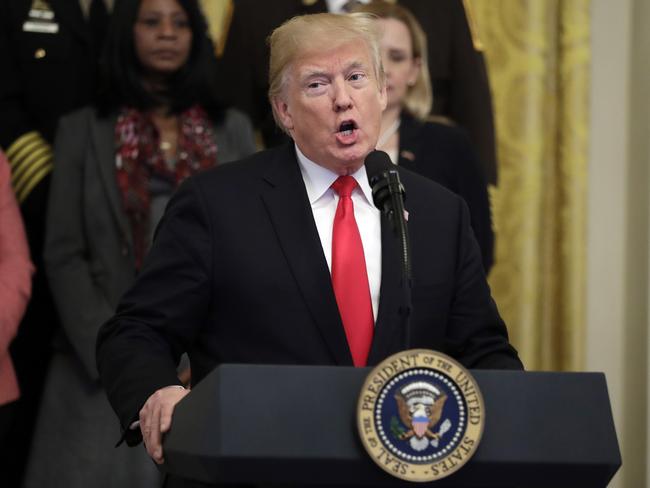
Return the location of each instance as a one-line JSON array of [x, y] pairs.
[[377, 163], [384, 181]]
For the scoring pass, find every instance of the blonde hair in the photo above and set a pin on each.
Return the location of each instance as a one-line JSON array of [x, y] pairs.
[[319, 32], [418, 98]]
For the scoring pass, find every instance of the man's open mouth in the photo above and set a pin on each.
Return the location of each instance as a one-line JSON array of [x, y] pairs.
[[347, 127]]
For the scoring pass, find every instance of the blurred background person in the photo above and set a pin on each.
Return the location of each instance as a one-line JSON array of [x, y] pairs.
[[455, 62], [15, 288], [49, 52], [157, 121], [436, 150]]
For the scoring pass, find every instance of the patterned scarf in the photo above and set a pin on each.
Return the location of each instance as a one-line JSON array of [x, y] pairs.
[[139, 158]]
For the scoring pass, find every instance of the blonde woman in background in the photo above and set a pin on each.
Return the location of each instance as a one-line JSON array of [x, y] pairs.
[[434, 149]]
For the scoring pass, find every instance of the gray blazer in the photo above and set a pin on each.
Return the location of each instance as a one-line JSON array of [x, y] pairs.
[[89, 247], [90, 263]]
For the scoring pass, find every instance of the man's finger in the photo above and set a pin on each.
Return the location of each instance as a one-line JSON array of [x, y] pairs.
[[155, 447], [145, 421]]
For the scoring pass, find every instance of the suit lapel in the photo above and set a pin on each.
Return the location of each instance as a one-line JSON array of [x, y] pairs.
[[388, 336], [290, 214], [103, 147]]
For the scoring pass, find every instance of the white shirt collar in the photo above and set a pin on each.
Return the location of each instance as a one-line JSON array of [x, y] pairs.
[[319, 179]]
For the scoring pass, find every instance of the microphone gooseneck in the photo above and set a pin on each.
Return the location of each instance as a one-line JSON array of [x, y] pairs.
[[388, 195]]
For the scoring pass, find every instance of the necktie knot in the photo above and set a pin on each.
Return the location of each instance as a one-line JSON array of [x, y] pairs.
[[344, 186]]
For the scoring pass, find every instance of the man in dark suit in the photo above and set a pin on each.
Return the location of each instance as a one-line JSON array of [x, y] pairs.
[[461, 91], [48, 53], [240, 268]]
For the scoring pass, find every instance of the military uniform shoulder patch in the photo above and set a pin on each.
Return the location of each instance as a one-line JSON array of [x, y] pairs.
[[420, 415]]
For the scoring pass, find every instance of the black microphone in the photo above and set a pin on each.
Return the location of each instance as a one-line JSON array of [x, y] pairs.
[[388, 196], [387, 189]]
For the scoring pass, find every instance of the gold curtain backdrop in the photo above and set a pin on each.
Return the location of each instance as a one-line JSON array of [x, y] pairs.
[[538, 54], [218, 14]]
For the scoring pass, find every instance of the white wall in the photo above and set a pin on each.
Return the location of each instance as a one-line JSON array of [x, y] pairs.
[[619, 224]]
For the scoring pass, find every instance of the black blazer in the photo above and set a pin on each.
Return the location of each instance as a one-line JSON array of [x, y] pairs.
[[445, 154], [237, 274]]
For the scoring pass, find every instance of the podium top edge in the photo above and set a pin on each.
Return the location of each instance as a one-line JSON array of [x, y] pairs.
[[369, 368]]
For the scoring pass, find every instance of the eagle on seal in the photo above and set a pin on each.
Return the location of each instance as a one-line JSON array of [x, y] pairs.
[[420, 410]]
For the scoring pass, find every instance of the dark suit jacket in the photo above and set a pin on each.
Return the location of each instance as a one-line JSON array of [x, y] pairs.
[[237, 274], [457, 69], [444, 154]]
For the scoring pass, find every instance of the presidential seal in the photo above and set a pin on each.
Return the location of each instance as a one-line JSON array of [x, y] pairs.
[[420, 415]]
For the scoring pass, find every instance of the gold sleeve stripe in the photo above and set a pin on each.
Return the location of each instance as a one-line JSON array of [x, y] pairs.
[[30, 157], [25, 152], [20, 143], [21, 166], [21, 180], [478, 45], [36, 179], [25, 183]]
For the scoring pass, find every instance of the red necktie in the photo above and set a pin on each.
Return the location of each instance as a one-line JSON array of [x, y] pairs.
[[349, 276]]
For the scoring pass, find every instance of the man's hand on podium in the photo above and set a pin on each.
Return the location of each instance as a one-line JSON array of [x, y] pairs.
[[156, 418]]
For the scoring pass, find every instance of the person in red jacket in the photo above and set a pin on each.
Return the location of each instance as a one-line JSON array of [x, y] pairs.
[[15, 289]]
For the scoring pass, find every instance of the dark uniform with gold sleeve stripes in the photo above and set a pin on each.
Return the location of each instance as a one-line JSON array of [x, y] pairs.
[[460, 84], [48, 64]]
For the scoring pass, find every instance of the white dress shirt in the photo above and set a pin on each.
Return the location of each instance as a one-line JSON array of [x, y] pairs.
[[318, 181]]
